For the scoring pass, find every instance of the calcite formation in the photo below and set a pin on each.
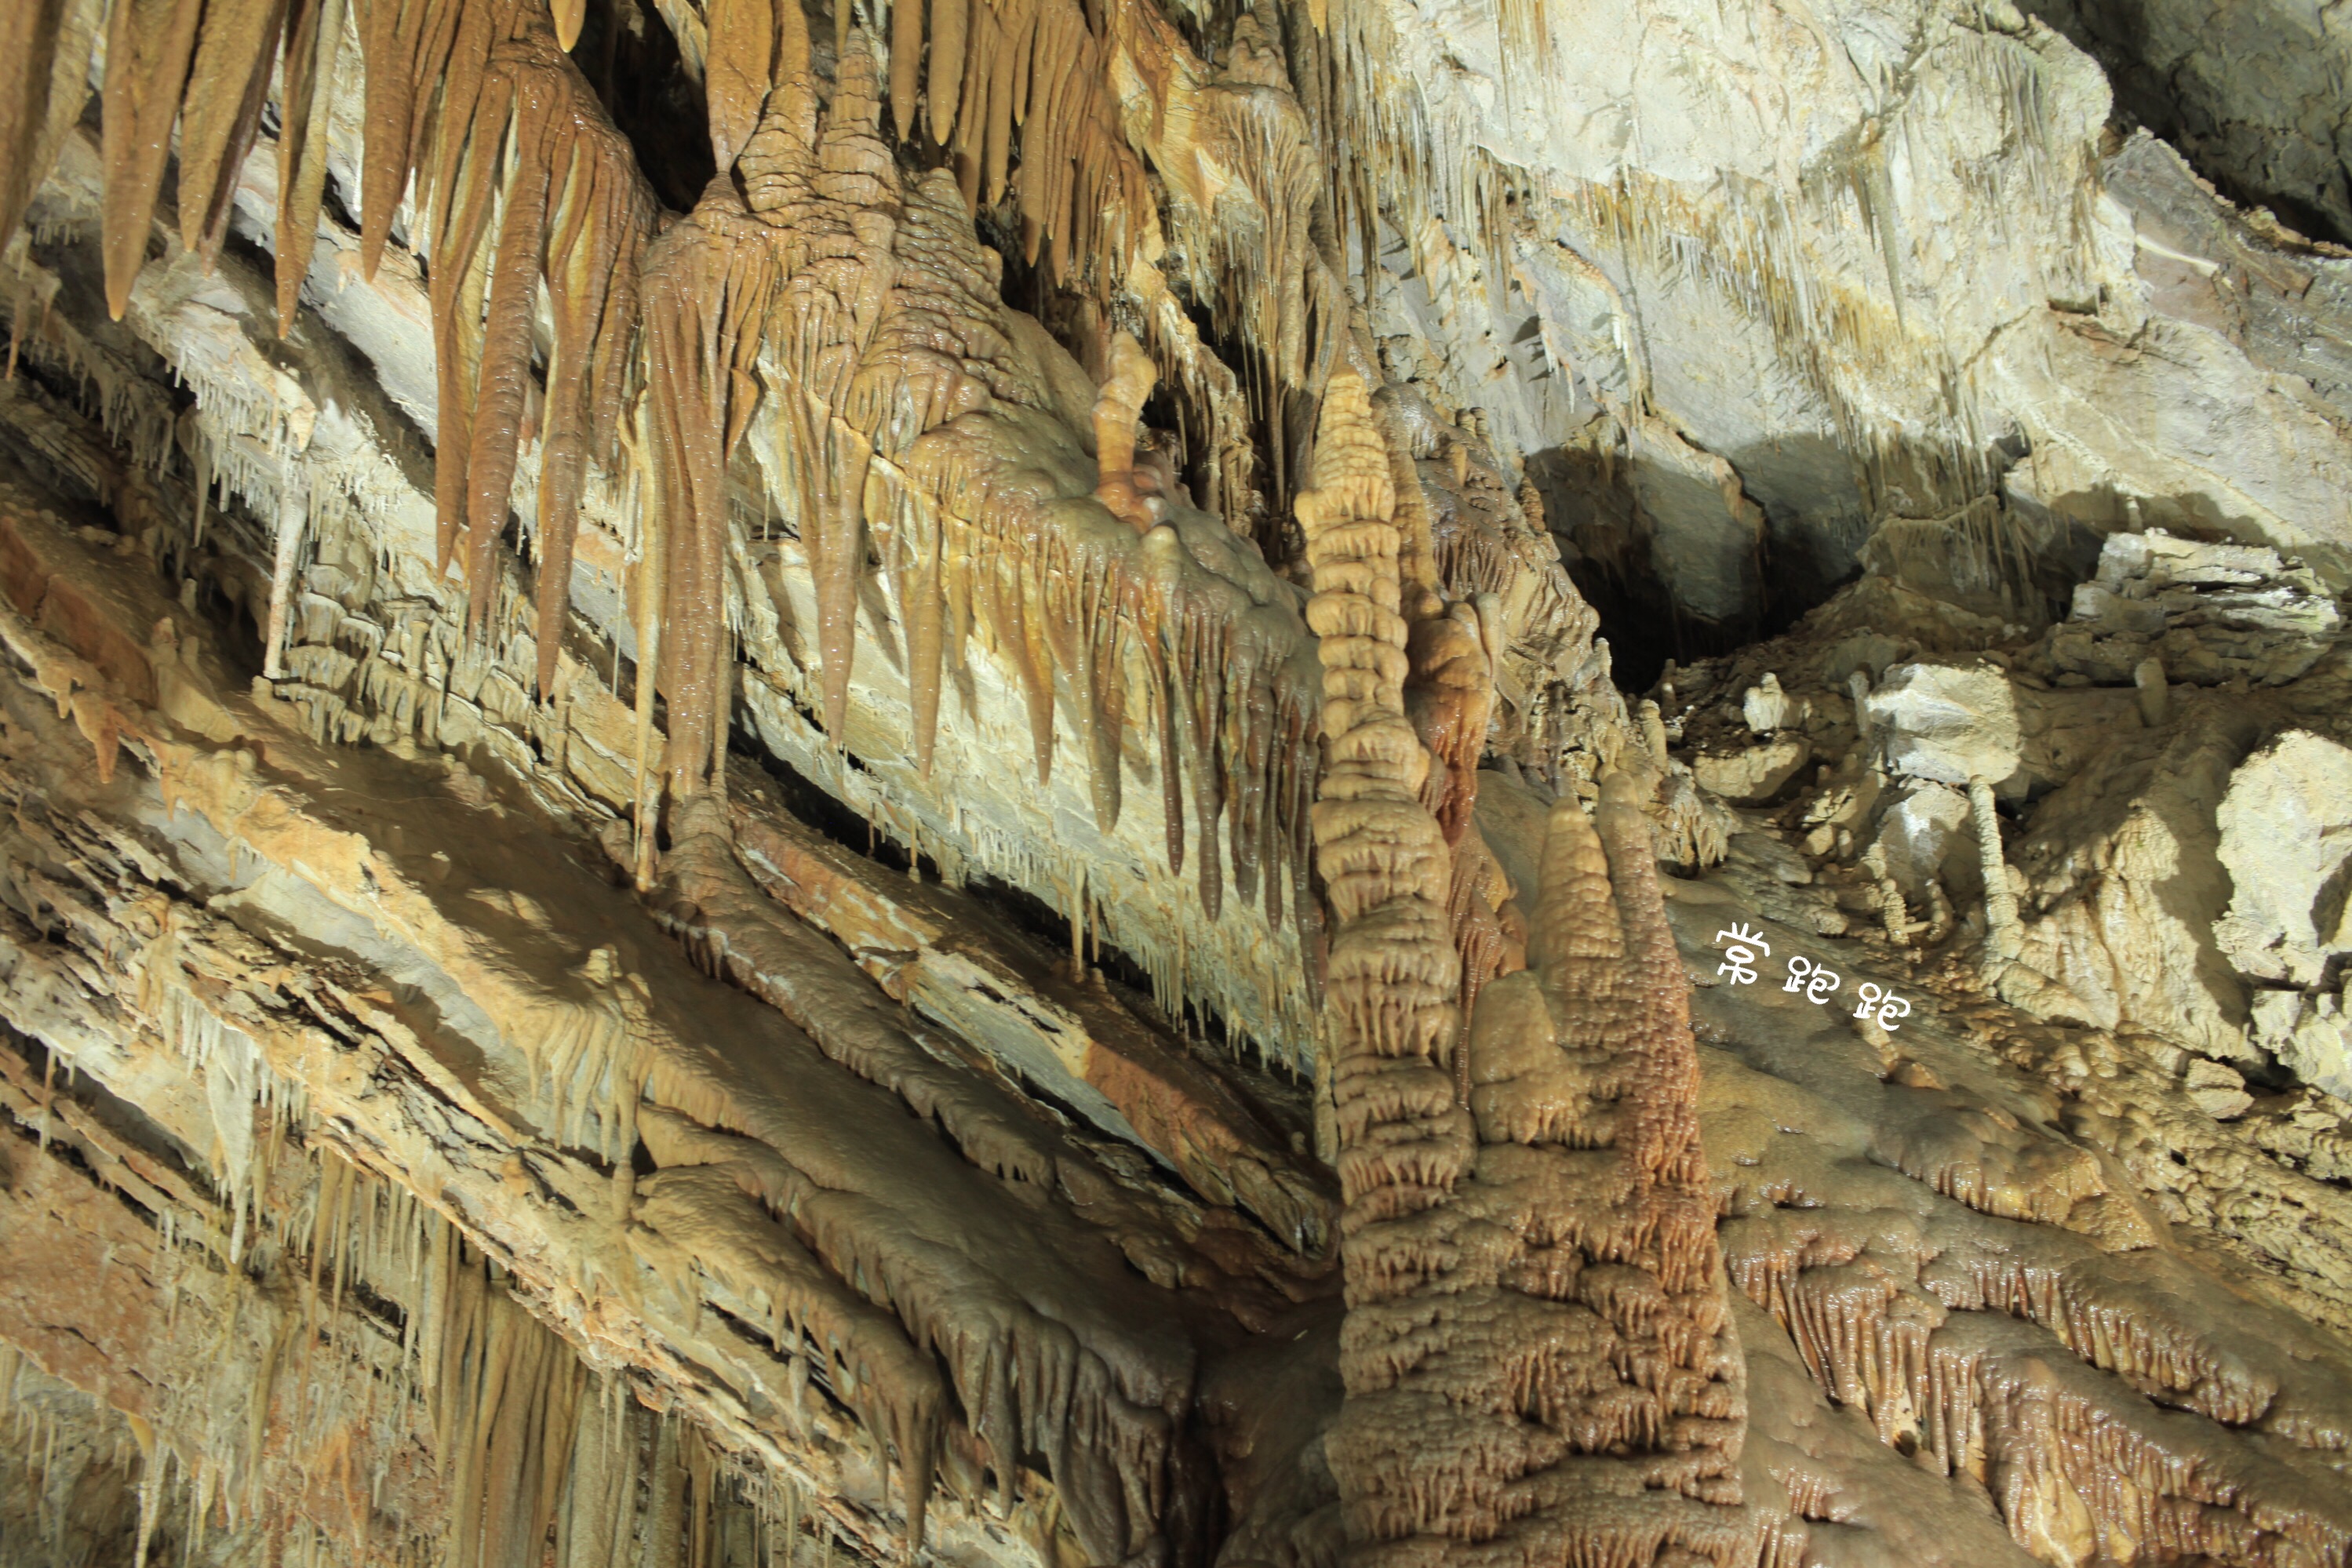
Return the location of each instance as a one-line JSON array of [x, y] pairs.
[[1001, 784]]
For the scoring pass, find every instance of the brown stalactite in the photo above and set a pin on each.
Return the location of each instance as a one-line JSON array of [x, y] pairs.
[[950, 19], [148, 47], [236, 44], [497, 396], [31, 56], [708, 284], [314, 39], [741, 68], [906, 66], [392, 34]]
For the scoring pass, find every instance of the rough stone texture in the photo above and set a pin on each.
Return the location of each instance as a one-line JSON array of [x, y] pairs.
[[1755, 774], [2028, 312], [2207, 613], [1946, 723], [2311, 1036], [1925, 838], [2287, 835], [2249, 89]]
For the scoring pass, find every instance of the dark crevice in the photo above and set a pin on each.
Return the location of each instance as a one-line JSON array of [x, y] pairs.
[[2170, 81], [631, 58]]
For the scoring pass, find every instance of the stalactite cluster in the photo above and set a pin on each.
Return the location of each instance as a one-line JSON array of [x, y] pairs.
[[848, 310]]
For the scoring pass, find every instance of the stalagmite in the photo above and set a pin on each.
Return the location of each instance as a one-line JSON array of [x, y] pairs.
[[294, 504], [2155, 703], [2002, 939], [1116, 412], [1578, 1151]]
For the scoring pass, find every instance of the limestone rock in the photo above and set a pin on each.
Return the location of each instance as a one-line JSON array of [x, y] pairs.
[[2210, 612], [1755, 774], [2124, 883], [2217, 1090], [1866, 651], [2311, 1036], [2251, 89], [1926, 837], [2285, 837], [391, 994], [1948, 723], [1766, 706]]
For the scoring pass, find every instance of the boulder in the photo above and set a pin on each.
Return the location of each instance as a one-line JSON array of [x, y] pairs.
[[2123, 884], [1948, 723], [2287, 836], [1755, 774], [2220, 1091], [1766, 706], [1869, 651], [2206, 613], [1928, 836]]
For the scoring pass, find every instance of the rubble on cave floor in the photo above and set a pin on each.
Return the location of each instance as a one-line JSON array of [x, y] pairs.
[[2128, 830]]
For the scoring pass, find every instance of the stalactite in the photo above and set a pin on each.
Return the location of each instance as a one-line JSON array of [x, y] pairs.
[[948, 21], [45, 51], [149, 44], [846, 276], [738, 71], [1253, 240], [706, 289], [1036, 65], [314, 39], [236, 45]]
